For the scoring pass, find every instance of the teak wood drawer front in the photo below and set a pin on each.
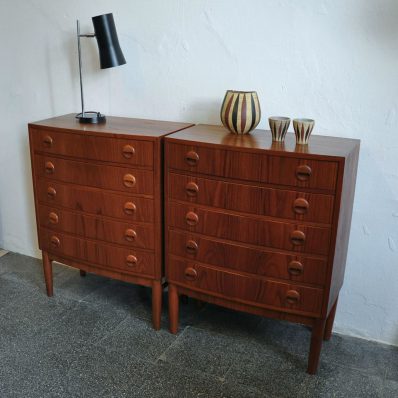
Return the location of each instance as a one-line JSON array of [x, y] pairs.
[[258, 167], [305, 173], [252, 199], [84, 146], [106, 256], [218, 162], [249, 260], [260, 291], [95, 175], [95, 201], [128, 234], [273, 234]]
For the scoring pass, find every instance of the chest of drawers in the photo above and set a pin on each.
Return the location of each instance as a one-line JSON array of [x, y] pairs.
[[259, 227], [99, 198]]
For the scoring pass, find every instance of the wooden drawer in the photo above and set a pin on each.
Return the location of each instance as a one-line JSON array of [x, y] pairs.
[[94, 175], [304, 173], [217, 162], [253, 261], [252, 199], [94, 201], [248, 289], [105, 256], [84, 146], [295, 172], [273, 234], [128, 234]]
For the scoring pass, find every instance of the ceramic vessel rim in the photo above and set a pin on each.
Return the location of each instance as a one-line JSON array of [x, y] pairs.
[[241, 92], [279, 118], [304, 120]]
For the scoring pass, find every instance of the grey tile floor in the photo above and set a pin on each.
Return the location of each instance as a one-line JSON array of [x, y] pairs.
[[94, 339]]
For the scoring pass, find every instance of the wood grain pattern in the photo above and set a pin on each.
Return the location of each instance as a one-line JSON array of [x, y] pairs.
[[260, 141], [240, 228], [251, 198], [252, 260], [98, 198], [115, 127], [250, 222], [101, 254], [89, 147], [97, 228], [258, 167], [244, 288], [95, 201], [93, 175]]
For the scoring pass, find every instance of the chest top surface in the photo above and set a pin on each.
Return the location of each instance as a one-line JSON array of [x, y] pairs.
[[114, 126], [261, 140]]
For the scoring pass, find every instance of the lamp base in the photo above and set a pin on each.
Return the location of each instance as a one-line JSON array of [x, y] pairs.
[[91, 117]]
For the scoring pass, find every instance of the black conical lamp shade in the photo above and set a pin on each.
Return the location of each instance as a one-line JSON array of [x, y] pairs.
[[110, 52]]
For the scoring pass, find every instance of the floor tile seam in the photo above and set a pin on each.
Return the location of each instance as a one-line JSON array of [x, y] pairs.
[[226, 335], [194, 370], [110, 332], [171, 345], [363, 371]]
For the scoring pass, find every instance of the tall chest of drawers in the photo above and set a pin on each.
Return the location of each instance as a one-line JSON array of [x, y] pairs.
[[259, 227], [99, 198]]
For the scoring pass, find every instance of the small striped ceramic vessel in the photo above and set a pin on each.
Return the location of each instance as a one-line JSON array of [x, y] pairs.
[[278, 126], [303, 129], [240, 111]]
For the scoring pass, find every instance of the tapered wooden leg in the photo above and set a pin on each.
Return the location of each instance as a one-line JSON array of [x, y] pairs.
[[318, 331], [82, 273], [156, 304], [48, 273], [330, 321], [173, 309]]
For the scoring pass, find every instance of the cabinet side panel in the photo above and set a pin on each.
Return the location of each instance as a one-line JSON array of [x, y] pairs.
[[344, 225]]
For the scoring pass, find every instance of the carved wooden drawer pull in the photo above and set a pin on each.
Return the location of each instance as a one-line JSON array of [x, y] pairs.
[[293, 297], [190, 274], [192, 158], [128, 151], [191, 218], [192, 189], [48, 141], [55, 242], [297, 238], [129, 208], [131, 260], [303, 172], [295, 268], [130, 235], [191, 247], [301, 206], [49, 166], [51, 192], [129, 180], [53, 218]]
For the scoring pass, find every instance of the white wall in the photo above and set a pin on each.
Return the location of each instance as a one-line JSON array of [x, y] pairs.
[[333, 60]]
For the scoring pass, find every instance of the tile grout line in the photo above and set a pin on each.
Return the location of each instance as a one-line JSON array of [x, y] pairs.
[[171, 345]]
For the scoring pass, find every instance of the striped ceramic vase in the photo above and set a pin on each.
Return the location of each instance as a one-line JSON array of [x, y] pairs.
[[240, 111]]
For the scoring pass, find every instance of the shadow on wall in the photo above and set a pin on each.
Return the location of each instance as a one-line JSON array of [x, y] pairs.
[[380, 20], [28, 189], [204, 112]]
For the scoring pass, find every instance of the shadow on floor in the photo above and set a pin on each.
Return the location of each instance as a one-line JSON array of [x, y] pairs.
[[94, 339]]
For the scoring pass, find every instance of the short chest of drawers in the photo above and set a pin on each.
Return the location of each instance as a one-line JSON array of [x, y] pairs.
[[99, 198], [259, 227]]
